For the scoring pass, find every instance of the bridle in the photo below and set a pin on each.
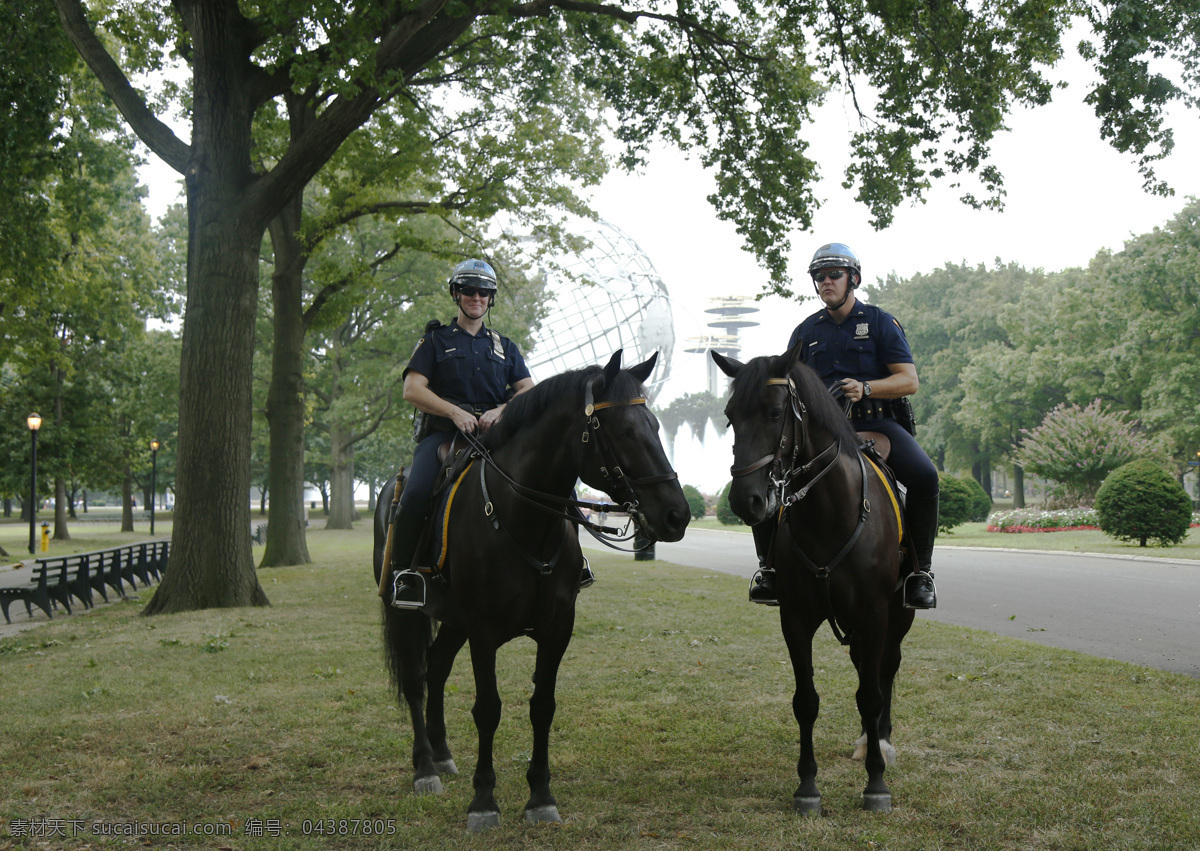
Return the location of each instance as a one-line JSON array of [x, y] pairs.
[[617, 484], [793, 428], [781, 479]]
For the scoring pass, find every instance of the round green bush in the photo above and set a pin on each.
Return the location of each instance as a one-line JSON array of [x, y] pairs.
[[724, 512], [981, 503], [957, 502], [1141, 501], [695, 501]]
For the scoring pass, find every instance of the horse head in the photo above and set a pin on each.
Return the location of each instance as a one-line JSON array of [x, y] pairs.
[[768, 427], [626, 459]]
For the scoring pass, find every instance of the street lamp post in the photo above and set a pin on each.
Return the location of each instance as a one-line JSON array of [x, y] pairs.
[[34, 421], [153, 482]]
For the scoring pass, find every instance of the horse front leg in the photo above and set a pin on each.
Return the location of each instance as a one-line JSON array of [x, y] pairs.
[[806, 705], [876, 796], [484, 812], [541, 806], [441, 660]]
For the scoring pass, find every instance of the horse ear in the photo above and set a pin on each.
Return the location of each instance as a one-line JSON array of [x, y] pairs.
[[792, 356], [729, 366], [642, 371], [612, 367]]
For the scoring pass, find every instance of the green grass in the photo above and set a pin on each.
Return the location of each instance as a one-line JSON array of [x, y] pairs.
[[674, 728]]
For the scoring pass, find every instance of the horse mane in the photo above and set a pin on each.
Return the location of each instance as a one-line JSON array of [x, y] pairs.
[[823, 413], [531, 405]]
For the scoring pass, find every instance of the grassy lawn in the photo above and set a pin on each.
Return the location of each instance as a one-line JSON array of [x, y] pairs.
[[674, 729]]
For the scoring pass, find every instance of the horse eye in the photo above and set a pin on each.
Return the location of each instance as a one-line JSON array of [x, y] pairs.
[[775, 413]]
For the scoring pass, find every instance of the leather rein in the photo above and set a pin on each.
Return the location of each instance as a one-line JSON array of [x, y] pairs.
[[569, 508], [781, 480]]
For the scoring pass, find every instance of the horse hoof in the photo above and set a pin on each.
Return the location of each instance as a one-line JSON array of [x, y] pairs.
[[809, 805], [479, 822], [537, 815], [860, 748], [445, 766], [428, 785], [877, 802]]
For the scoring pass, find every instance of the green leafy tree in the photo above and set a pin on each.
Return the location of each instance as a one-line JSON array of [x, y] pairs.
[[1078, 447], [1141, 501], [695, 501], [735, 84]]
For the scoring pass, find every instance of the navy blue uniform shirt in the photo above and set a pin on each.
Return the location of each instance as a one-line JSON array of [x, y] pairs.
[[475, 369], [861, 347]]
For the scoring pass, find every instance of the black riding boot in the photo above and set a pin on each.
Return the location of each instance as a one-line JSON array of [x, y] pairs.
[[409, 590], [762, 586], [922, 516]]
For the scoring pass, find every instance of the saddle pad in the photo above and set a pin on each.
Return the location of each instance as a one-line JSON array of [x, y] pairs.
[[437, 530], [891, 492]]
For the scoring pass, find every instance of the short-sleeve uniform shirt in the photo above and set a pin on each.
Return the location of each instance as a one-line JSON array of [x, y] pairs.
[[861, 347], [461, 367]]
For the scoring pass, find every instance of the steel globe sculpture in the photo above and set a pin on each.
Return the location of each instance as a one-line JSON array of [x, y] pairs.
[[623, 304]]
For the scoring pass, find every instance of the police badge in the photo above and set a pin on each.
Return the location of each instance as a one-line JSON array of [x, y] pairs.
[[860, 331]]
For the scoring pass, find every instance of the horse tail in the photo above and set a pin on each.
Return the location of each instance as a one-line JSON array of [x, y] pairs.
[[406, 638]]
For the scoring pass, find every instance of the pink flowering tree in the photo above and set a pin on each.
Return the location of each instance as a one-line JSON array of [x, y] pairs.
[[1076, 448]]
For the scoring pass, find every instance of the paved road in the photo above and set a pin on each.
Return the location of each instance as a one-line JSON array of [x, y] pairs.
[[1130, 608]]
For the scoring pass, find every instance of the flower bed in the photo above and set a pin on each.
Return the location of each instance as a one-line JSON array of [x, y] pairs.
[[1037, 520]]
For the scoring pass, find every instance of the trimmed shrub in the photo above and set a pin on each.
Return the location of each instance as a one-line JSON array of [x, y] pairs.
[[981, 503], [1141, 501], [695, 501], [956, 505], [724, 512]]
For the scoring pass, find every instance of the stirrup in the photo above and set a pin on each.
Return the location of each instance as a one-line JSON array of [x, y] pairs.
[[932, 589], [400, 581], [756, 581], [586, 577]]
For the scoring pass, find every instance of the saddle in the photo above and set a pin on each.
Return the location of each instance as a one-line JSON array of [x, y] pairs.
[[877, 442]]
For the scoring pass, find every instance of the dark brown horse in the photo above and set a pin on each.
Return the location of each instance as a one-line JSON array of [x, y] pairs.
[[836, 549], [513, 564]]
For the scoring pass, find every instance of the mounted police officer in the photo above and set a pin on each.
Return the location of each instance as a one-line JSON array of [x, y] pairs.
[[862, 354], [459, 377]]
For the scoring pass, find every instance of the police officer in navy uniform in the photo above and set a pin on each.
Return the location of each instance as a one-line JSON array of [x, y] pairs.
[[460, 377], [861, 350]]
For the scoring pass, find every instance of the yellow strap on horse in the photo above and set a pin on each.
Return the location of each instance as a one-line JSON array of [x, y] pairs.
[[446, 516], [600, 406], [891, 495]]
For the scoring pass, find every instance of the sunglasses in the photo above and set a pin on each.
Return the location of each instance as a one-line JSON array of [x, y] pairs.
[[471, 292], [835, 275]]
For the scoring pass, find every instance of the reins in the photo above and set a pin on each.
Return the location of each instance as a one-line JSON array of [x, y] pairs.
[[566, 507], [783, 481]]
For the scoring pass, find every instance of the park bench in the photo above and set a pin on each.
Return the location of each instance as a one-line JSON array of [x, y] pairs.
[[45, 588], [57, 579]]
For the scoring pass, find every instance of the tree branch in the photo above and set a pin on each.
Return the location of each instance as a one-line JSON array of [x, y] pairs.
[[157, 136]]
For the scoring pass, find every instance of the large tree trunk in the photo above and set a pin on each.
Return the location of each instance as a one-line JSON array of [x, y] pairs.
[[341, 480], [1018, 486], [211, 564], [286, 541], [127, 501]]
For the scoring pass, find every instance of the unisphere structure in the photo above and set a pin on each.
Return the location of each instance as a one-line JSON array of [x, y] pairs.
[[623, 304]]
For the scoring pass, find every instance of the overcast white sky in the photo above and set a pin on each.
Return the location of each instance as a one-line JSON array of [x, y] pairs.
[[1069, 196]]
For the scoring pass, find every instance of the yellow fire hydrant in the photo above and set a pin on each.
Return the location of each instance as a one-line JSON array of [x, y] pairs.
[[45, 537]]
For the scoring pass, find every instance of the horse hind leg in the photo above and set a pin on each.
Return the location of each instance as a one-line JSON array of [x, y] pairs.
[[406, 639], [441, 660]]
